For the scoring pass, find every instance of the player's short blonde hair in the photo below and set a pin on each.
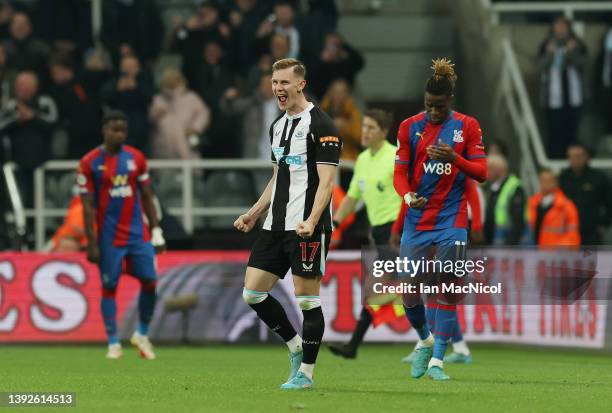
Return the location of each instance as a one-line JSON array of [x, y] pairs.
[[299, 69]]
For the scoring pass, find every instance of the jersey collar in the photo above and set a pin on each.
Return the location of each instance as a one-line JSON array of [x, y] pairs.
[[451, 114], [298, 115]]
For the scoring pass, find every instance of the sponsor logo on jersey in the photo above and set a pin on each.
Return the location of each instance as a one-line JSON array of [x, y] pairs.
[[288, 159], [307, 267], [120, 188], [119, 180], [329, 139], [438, 168]]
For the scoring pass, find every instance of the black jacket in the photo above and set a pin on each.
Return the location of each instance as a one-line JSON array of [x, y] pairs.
[[590, 191], [30, 140]]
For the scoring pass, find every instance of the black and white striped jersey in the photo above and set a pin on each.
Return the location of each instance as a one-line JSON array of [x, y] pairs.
[[300, 142]]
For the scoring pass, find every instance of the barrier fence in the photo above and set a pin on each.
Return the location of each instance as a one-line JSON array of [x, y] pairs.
[[55, 298]]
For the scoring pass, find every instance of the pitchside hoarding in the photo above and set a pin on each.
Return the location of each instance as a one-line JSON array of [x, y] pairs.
[[55, 298]]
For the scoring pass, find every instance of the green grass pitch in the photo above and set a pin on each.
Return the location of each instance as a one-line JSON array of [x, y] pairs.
[[247, 379]]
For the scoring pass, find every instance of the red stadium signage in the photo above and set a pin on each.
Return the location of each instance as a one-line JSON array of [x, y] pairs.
[[55, 298]]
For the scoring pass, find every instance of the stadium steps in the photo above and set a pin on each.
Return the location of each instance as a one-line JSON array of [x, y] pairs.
[[394, 7], [398, 55]]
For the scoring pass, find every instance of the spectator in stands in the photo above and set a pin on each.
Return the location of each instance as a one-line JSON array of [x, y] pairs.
[[28, 119], [340, 106], [97, 71], [132, 27], [338, 60], [281, 22], [321, 19], [279, 49], [70, 236], [25, 52], [562, 58], [214, 77], [7, 77], [505, 201], [66, 24], [258, 111], [6, 15], [494, 147], [79, 113], [131, 92], [245, 20], [179, 117], [553, 217], [606, 80], [190, 36], [589, 189]]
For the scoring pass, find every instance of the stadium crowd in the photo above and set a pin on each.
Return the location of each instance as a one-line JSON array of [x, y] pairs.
[[56, 82]]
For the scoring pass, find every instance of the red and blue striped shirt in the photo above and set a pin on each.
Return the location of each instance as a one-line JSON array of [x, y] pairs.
[[443, 184], [114, 181]]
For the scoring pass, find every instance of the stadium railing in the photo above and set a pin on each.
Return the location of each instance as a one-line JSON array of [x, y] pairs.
[[569, 9], [187, 210], [17, 217], [512, 94]]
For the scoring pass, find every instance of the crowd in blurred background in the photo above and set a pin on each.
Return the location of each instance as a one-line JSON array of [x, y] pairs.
[[56, 81]]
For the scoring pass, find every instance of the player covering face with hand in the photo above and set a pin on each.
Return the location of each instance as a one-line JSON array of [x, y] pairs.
[[115, 189], [305, 153], [437, 151]]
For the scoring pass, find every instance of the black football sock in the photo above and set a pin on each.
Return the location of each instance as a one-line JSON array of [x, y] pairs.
[[271, 312], [365, 319]]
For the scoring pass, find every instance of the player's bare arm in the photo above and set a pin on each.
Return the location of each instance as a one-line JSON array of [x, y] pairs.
[[346, 208], [149, 209], [246, 222], [89, 213], [326, 174]]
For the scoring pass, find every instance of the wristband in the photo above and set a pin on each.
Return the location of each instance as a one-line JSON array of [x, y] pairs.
[[408, 198], [157, 237]]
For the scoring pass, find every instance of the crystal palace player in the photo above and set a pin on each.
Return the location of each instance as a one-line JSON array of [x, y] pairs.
[[305, 152], [437, 150], [114, 184]]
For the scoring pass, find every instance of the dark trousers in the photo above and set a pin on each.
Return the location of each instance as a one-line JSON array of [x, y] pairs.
[[563, 127], [381, 233]]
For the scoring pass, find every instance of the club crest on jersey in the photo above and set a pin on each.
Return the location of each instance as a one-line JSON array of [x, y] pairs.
[[458, 135], [299, 134], [131, 165]]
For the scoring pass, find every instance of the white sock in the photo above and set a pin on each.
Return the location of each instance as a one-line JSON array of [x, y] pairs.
[[295, 344], [435, 362], [307, 369], [428, 342], [461, 348]]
